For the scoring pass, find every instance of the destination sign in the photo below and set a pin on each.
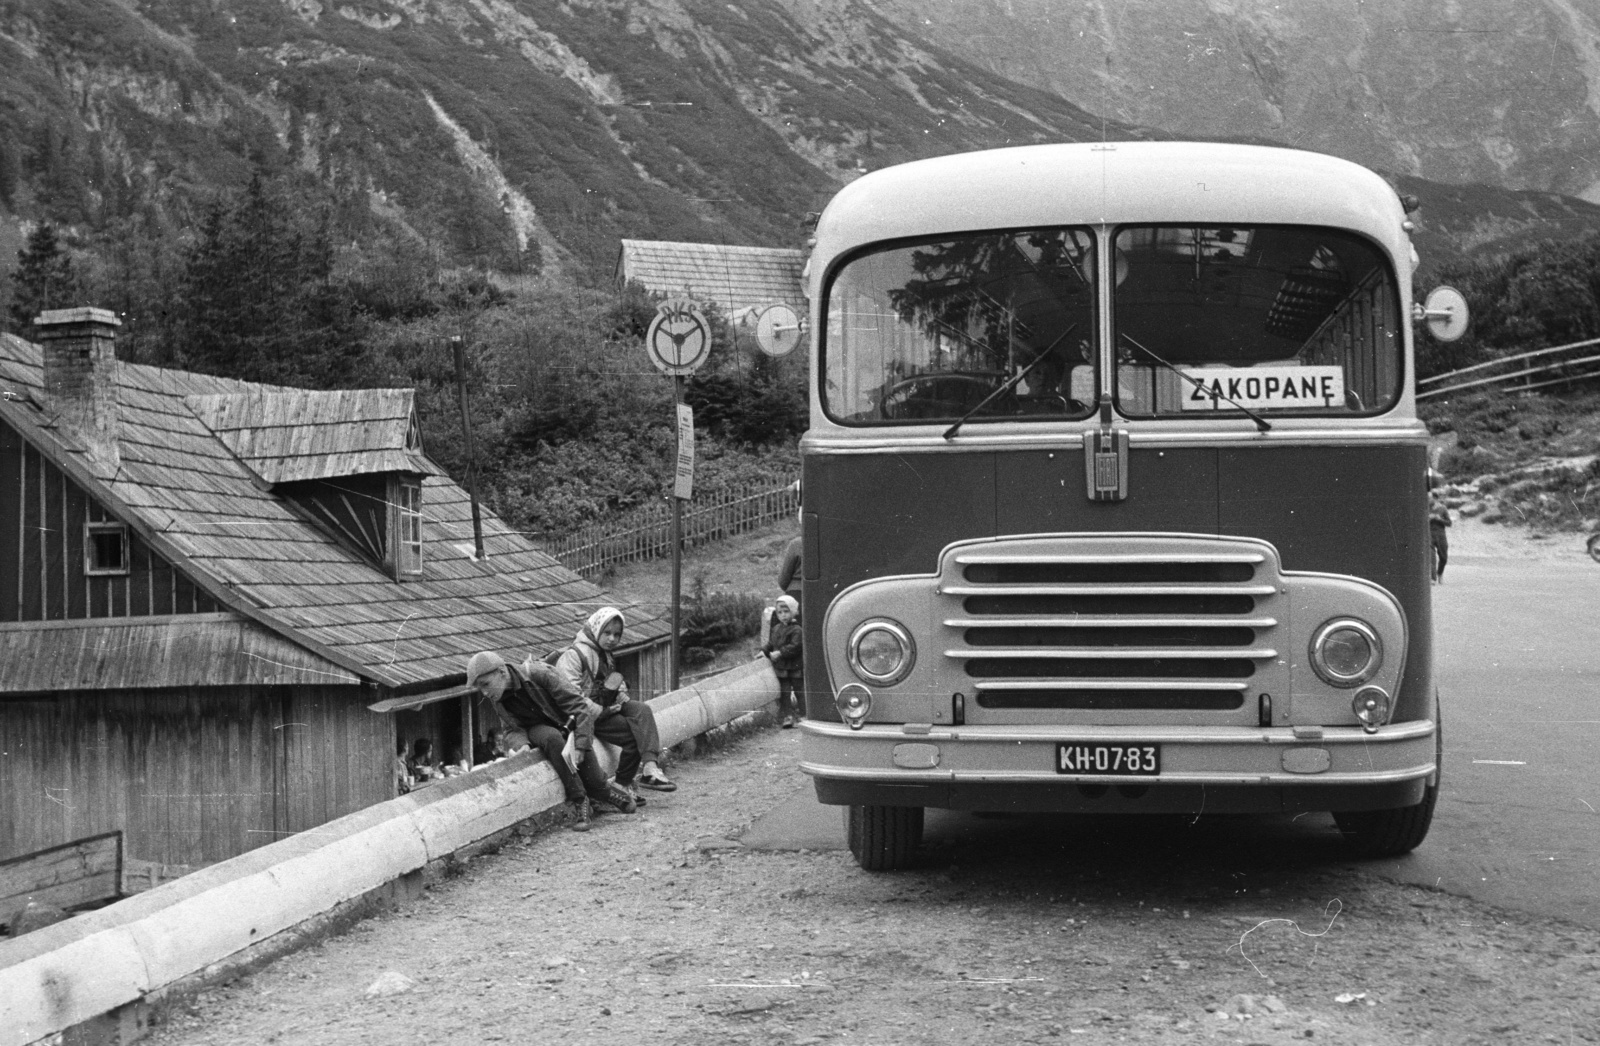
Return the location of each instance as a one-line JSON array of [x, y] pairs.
[[1217, 388]]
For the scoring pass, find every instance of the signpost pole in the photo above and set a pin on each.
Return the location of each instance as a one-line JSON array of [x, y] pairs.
[[677, 539], [678, 340]]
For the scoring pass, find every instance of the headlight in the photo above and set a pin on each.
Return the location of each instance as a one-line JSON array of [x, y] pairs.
[[881, 651], [1346, 652], [854, 703]]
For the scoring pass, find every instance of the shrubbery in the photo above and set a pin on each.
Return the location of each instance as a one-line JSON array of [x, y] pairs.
[[1532, 299], [714, 620], [572, 425]]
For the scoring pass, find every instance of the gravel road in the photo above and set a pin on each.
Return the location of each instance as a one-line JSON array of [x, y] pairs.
[[661, 928]]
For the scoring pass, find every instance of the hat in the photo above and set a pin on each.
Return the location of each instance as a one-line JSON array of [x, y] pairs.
[[482, 663], [790, 602]]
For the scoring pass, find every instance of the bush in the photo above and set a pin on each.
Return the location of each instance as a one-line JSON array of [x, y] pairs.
[[718, 619], [1464, 463]]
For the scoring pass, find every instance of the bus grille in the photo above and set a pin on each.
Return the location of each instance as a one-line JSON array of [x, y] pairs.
[[1102, 624]]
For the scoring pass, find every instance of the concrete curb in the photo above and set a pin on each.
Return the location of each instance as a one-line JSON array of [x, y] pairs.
[[82, 969]]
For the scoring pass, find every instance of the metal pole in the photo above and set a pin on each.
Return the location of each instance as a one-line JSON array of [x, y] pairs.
[[677, 533], [472, 456]]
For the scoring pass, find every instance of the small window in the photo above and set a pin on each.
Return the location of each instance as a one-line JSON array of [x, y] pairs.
[[408, 504], [105, 549]]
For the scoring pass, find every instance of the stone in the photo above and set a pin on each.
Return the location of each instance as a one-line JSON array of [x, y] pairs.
[[390, 982]]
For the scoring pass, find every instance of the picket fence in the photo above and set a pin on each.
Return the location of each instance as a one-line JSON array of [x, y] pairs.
[[648, 534]]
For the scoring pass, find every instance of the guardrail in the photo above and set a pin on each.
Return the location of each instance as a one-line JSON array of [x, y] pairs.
[[1451, 382], [110, 963]]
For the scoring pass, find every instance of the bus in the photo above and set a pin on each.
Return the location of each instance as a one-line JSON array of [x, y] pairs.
[[1115, 496]]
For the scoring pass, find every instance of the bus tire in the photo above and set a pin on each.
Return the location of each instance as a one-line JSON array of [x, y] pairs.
[[884, 838], [1390, 833]]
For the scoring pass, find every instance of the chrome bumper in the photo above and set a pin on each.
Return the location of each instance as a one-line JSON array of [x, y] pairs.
[[963, 767]]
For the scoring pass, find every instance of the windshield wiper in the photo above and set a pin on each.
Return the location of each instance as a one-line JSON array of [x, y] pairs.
[[1010, 383], [1261, 423]]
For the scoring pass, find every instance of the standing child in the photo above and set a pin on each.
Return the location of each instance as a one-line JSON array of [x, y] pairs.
[[1438, 519], [783, 650]]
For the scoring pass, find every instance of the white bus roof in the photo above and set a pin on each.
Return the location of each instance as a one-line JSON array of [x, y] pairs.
[[1112, 182]]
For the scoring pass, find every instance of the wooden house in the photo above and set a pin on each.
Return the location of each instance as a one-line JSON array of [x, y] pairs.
[[223, 605], [741, 281]]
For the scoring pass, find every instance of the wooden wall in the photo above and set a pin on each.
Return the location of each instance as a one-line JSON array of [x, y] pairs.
[[42, 517], [191, 776], [648, 671]]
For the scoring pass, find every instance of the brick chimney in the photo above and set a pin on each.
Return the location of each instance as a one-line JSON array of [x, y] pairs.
[[80, 376]]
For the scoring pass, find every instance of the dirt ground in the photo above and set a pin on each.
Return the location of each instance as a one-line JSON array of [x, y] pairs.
[[662, 928]]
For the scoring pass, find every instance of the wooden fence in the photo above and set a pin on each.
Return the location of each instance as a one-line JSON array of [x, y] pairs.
[[1557, 365], [648, 534]]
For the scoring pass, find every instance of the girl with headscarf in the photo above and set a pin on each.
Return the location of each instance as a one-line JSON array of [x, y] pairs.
[[590, 665], [783, 650]]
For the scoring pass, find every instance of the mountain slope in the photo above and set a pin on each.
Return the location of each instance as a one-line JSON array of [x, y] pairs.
[[1500, 92], [531, 132], [531, 135]]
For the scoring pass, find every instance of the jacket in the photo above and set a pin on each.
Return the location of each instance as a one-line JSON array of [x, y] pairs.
[[538, 695], [789, 574], [585, 666], [785, 640]]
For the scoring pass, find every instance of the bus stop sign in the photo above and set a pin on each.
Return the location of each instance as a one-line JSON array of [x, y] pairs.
[[679, 338]]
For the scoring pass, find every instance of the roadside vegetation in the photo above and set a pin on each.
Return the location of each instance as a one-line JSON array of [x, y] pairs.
[[572, 424], [1522, 458]]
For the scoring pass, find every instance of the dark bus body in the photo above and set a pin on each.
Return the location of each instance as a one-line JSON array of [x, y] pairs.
[[1067, 544]]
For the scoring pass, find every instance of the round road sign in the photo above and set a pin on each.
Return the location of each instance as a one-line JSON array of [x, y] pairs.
[[679, 338]]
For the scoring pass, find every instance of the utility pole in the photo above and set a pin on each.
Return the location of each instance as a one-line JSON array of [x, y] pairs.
[[472, 454]]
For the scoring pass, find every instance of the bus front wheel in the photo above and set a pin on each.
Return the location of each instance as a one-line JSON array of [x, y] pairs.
[[884, 838], [1390, 833]]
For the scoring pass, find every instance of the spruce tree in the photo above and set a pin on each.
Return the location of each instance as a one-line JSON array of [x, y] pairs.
[[260, 298], [45, 279]]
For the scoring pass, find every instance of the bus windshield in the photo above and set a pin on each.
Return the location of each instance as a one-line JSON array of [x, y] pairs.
[[1001, 323], [1206, 320], [1269, 318]]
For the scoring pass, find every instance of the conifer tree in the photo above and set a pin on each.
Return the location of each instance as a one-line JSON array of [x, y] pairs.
[[260, 298], [45, 279]]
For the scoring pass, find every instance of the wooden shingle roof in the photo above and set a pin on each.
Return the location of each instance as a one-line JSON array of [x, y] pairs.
[[198, 502], [299, 434], [739, 280]]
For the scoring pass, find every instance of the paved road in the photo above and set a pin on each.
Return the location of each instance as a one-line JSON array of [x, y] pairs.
[[1517, 823]]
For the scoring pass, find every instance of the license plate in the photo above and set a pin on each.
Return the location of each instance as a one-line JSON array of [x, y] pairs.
[[1114, 760]]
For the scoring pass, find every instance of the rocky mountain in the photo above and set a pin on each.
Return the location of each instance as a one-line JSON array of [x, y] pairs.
[[530, 135], [1498, 92]]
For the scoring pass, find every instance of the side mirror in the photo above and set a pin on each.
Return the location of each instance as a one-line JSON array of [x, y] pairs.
[[1445, 313]]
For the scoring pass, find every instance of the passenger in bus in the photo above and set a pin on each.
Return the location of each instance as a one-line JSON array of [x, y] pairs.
[[783, 650], [539, 708], [589, 666], [1438, 519]]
